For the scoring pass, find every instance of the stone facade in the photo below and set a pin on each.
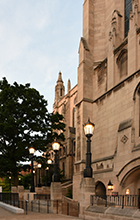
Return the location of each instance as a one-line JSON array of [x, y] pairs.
[[108, 92], [65, 105]]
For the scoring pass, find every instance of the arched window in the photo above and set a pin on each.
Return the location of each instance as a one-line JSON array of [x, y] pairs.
[[136, 129], [128, 7], [122, 63]]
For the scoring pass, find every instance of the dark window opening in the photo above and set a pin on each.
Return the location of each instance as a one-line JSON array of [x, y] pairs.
[[128, 7], [61, 92], [73, 117], [63, 169]]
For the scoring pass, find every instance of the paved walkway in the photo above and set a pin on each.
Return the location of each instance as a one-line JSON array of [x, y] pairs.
[[6, 215]]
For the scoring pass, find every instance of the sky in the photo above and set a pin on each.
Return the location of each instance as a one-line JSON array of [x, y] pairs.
[[38, 39]]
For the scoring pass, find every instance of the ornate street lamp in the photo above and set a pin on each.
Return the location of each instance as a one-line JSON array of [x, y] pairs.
[[31, 152], [56, 146], [47, 169], [10, 182], [39, 168], [88, 130], [49, 162], [110, 186]]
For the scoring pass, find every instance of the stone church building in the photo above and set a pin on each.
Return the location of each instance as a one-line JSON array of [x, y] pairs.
[[107, 92]]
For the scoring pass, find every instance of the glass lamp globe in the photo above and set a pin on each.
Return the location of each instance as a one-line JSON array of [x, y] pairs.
[[49, 161], [31, 150], [55, 146], [39, 165], [110, 186], [127, 192], [89, 128]]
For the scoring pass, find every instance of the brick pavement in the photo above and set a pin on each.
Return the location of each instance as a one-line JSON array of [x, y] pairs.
[[7, 215]]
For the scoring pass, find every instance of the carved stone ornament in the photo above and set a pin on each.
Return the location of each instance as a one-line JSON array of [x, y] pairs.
[[124, 139]]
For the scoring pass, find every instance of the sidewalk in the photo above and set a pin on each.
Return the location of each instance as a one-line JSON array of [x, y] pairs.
[[6, 215]]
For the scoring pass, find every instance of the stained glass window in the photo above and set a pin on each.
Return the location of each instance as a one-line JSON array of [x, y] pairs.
[[128, 7]]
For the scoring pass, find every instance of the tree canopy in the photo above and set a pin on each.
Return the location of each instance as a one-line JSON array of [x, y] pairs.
[[24, 122]]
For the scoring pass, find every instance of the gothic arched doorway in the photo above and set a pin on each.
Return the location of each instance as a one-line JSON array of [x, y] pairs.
[[100, 190]]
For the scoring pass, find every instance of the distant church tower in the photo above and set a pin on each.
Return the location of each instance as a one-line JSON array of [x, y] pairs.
[[59, 89]]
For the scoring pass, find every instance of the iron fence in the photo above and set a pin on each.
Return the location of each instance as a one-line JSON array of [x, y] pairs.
[[10, 198], [42, 196], [119, 200], [41, 204]]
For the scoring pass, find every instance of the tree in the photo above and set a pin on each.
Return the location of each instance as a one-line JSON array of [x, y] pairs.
[[26, 181], [24, 122]]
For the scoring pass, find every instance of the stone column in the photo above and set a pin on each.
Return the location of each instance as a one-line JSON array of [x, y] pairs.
[[20, 191], [31, 196], [56, 197], [87, 188]]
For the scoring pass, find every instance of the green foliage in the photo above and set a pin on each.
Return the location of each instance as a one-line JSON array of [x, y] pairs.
[[5, 183], [57, 127], [69, 193], [61, 174], [24, 122], [44, 180], [25, 181]]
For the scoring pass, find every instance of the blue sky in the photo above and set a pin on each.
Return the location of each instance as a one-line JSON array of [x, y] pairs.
[[39, 38]]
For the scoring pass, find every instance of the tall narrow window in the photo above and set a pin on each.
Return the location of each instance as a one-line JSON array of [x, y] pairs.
[[122, 62], [123, 65], [63, 169], [73, 123], [61, 92], [128, 7]]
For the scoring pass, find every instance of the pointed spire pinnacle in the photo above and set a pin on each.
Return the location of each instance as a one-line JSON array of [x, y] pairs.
[[68, 86], [60, 77]]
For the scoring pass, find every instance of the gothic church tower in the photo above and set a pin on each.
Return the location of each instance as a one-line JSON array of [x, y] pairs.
[[59, 89]]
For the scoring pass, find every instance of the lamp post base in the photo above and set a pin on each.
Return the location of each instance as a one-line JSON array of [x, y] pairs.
[[87, 187], [56, 178], [32, 189], [88, 172]]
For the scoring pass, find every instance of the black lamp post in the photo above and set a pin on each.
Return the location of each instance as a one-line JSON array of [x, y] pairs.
[[10, 182], [88, 129], [47, 169], [39, 168], [55, 146], [49, 162], [31, 151]]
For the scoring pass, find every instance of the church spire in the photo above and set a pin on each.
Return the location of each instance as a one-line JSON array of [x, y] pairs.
[[60, 78], [59, 88]]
